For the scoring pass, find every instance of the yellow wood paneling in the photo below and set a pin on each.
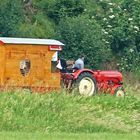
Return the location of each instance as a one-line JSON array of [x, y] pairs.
[[40, 68]]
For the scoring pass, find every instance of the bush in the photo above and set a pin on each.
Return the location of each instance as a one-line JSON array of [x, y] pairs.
[[130, 61], [83, 36], [120, 21]]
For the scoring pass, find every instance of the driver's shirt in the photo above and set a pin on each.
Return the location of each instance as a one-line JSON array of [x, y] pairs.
[[79, 64]]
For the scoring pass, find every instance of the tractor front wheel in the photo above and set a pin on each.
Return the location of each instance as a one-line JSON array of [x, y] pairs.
[[85, 84], [119, 92]]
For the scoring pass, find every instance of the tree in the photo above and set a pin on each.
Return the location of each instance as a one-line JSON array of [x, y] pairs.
[[38, 26], [83, 36], [11, 16], [59, 9]]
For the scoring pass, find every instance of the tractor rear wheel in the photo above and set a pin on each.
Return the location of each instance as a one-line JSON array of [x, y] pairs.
[[85, 84]]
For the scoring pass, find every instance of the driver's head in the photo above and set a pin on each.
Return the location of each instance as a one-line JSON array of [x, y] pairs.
[[82, 57]]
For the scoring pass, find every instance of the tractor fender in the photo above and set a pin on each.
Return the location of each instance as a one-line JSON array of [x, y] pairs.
[[78, 72]]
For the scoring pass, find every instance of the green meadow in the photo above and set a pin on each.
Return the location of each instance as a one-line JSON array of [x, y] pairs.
[[61, 115]]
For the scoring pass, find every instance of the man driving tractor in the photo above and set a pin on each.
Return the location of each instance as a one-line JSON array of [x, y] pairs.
[[77, 65]]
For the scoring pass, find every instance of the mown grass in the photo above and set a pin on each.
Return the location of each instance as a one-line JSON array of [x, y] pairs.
[[66, 136]]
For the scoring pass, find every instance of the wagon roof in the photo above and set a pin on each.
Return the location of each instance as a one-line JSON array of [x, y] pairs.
[[9, 40]]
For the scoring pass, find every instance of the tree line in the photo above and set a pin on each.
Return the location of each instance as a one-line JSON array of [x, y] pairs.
[[107, 32]]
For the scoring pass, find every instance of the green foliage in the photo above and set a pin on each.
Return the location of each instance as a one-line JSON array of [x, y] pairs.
[[83, 36], [59, 9], [121, 22], [11, 15], [130, 61], [39, 27], [112, 25]]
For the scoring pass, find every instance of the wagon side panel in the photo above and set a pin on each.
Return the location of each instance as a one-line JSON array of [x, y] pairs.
[[39, 74]]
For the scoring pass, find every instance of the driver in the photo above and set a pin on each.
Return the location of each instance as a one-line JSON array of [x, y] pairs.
[[79, 63]]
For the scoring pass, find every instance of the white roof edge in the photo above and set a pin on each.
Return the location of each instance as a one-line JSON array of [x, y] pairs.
[[10, 40]]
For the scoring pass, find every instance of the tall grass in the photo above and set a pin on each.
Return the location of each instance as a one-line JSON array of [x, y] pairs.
[[62, 112], [132, 83]]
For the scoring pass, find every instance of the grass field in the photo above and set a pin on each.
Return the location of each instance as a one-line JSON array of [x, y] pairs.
[[63, 116], [66, 136]]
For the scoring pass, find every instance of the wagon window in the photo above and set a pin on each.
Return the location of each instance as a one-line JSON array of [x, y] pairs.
[[25, 66]]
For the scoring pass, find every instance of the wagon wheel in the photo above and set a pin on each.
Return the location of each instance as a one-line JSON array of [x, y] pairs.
[[85, 84], [119, 92]]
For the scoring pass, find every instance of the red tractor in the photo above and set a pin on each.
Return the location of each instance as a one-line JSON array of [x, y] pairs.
[[89, 82]]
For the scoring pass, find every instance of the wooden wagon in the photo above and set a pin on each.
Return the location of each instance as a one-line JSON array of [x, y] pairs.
[[27, 63]]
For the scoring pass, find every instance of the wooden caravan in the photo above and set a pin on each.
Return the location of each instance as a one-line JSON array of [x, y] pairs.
[[27, 63]]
